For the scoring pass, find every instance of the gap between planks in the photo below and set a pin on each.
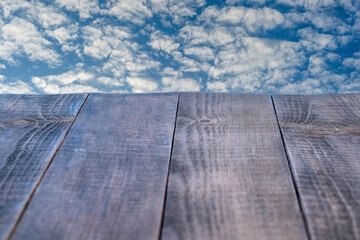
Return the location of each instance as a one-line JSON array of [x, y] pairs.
[[168, 173], [224, 167], [43, 174], [291, 173]]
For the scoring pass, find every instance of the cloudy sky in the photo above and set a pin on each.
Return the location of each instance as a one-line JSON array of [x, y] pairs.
[[258, 46]]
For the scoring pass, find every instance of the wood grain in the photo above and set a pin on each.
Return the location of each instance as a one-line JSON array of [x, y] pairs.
[[322, 137], [229, 176], [31, 129], [108, 179]]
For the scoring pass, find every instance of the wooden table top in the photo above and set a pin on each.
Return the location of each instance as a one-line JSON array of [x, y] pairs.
[[180, 166]]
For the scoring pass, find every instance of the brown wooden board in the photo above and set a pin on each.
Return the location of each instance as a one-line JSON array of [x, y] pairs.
[[229, 176], [31, 129], [108, 179], [322, 138]]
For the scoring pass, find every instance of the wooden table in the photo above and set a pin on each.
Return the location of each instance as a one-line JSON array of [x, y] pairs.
[[179, 166]]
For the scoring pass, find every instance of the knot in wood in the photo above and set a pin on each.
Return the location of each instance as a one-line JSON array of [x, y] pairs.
[[205, 121]]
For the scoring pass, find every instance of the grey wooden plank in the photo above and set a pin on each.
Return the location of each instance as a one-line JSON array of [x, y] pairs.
[[229, 176], [31, 129], [108, 179], [322, 138]]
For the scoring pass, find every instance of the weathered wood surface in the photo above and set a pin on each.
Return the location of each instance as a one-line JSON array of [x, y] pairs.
[[31, 129], [229, 176], [322, 137], [108, 179]]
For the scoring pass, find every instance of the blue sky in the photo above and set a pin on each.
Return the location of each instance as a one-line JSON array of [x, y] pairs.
[[279, 46]]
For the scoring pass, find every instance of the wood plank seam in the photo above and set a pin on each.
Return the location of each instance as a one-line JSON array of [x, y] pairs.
[[292, 174], [223, 184], [108, 179], [322, 138], [43, 174], [167, 178]]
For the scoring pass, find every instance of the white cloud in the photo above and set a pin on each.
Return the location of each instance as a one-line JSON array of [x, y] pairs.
[[46, 16], [115, 33], [317, 64], [234, 15], [98, 49], [174, 80], [65, 78], [163, 42], [85, 8], [63, 83], [141, 62], [122, 60], [116, 64], [247, 81], [61, 34], [64, 34], [52, 88], [309, 86], [173, 84], [140, 85], [177, 11], [134, 11], [308, 4], [255, 65], [202, 53], [94, 45], [20, 36], [314, 41], [36, 12], [127, 58], [351, 86], [43, 18], [353, 62], [76, 88], [189, 64], [14, 87], [256, 53], [256, 2], [278, 78], [199, 35], [50, 19], [253, 19], [314, 5], [200, 3], [262, 19], [171, 72], [356, 25], [101, 40], [180, 11], [322, 21], [328, 23], [217, 86], [110, 81], [10, 6], [9, 50]]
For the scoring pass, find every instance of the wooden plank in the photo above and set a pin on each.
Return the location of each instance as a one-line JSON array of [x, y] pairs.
[[31, 129], [229, 176], [108, 179], [322, 137]]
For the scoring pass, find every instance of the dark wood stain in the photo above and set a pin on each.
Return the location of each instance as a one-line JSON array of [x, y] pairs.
[[31, 129], [322, 138], [229, 176], [108, 179]]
